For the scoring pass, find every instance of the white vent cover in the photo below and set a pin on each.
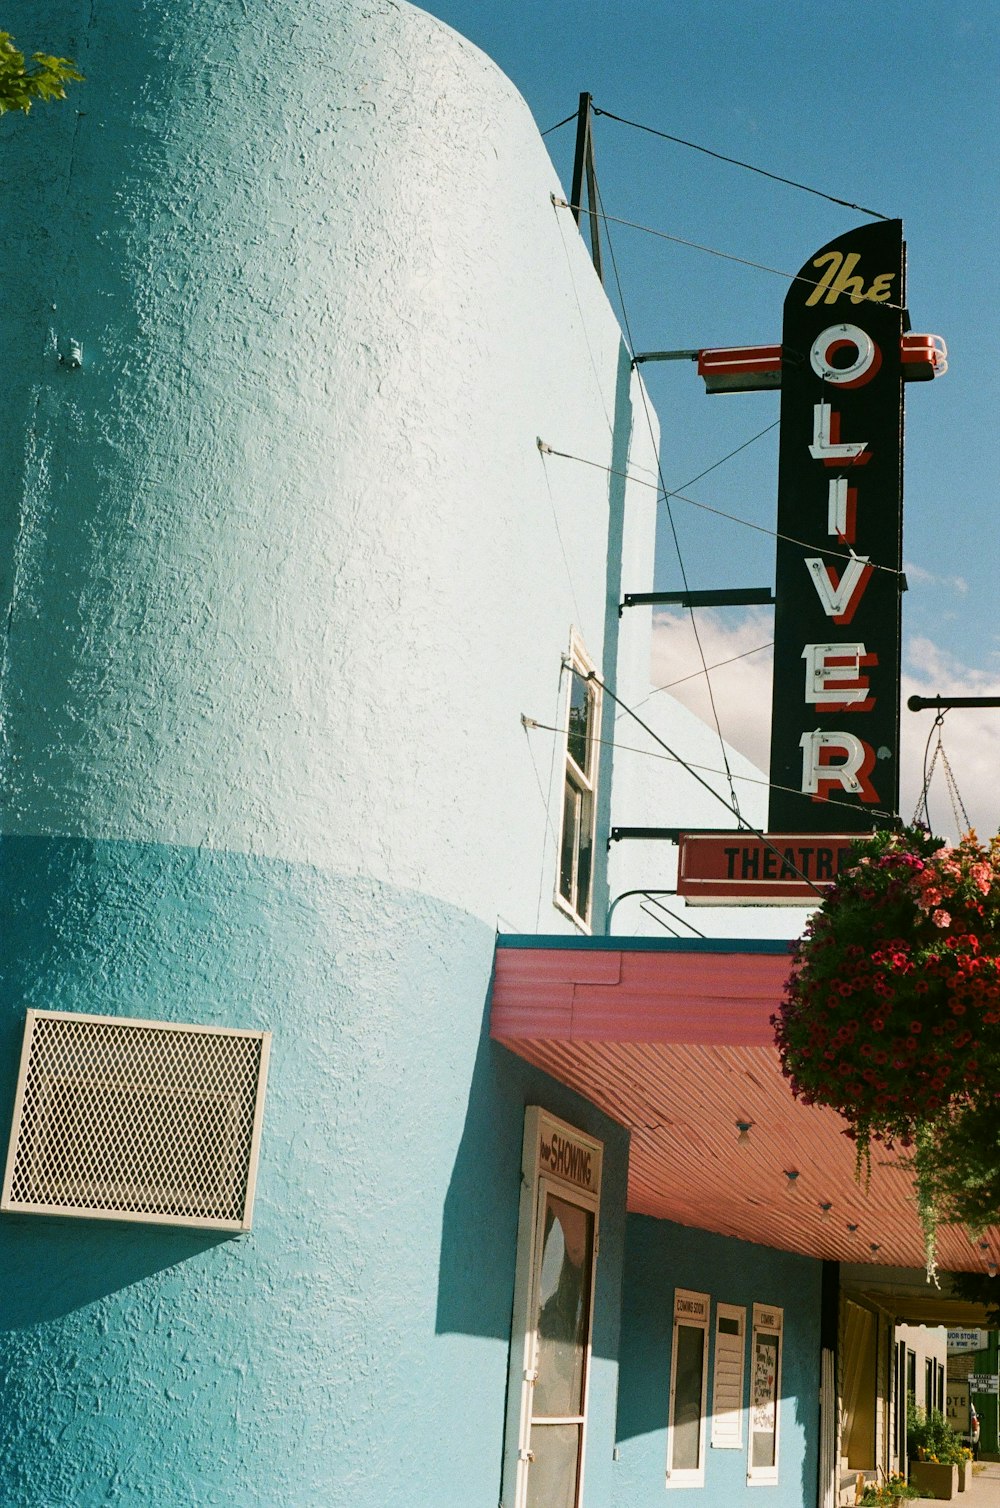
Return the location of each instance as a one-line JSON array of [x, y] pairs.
[[136, 1120]]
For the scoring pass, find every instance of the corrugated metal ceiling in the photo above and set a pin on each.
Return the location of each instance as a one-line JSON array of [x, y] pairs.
[[676, 1045]]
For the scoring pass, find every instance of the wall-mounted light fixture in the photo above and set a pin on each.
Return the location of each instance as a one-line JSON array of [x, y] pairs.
[[792, 1174], [991, 1269], [825, 1206], [743, 1127], [851, 1226], [873, 1246]]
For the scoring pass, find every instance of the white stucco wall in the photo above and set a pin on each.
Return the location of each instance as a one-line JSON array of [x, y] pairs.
[[322, 334]]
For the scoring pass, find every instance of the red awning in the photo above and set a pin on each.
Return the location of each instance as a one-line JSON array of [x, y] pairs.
[[672, 1039]]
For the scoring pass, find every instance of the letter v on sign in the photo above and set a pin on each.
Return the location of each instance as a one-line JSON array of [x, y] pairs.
[[840, 598]]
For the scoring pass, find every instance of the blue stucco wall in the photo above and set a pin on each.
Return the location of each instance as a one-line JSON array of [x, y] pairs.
[[352, 1348], [660, 1257]]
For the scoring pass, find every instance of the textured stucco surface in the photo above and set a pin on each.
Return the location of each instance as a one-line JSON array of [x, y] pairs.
[[352, 1348], [281, 567], [306, 560]]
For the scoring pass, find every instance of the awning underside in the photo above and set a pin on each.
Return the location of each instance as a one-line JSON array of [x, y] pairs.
[[675, 1043]]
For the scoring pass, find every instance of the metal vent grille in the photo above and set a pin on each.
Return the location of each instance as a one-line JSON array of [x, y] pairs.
[[136, 1120]]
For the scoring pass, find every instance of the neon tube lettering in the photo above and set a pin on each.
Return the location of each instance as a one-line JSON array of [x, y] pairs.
[[842, 510], [820, 775], [840, 598], [827, 445], [833, 677]]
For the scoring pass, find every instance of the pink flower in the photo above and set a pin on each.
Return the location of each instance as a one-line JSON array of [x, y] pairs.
[[940, 918]]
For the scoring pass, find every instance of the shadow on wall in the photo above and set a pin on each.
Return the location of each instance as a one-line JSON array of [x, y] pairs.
[[52, 1267], [660, 1257], [479, 1222], [479, 1227]]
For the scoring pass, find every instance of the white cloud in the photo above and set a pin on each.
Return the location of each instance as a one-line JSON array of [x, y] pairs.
[[970, 737], [918, 576], [742, 689]]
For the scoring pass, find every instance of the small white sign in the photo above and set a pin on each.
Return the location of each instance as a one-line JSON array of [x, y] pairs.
[[984, 1382], [966, 1340]]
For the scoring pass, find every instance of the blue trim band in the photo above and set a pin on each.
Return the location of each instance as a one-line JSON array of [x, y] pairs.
[[581, 944]]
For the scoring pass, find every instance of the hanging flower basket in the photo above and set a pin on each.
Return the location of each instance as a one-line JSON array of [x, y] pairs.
[[892, 1013]]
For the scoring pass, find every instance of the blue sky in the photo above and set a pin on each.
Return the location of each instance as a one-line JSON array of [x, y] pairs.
[[889, 105]]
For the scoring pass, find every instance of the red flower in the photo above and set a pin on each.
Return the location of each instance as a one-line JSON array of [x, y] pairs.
[[899, 949]]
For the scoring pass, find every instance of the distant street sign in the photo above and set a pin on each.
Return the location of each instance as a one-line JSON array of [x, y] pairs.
[[966, 1340]]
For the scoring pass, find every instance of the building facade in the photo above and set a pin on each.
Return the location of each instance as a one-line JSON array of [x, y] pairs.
[[310, 686]]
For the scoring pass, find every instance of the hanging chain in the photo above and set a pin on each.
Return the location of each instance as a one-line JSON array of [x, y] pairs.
[[928, 772], [953, 792], [961, 816]]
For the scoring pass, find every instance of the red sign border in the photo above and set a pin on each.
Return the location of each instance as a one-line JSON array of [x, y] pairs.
[[723, 890]]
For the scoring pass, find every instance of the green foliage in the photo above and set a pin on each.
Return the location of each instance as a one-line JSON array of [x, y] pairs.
[[961, 1164], [892, 1014], [978, 1288], [891, 1490], [21, 85], [929, 1437]]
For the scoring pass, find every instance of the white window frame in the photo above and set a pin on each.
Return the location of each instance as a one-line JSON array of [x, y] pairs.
[[723, 1436], [768, 1319], [560, 1159], [584, 783], [691, 1310]]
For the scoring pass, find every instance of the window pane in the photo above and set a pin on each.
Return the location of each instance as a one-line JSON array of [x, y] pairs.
[[563, 1308], [552, 1475], [581, 702], [584, 857], [763, 1419], [572, 804], [689, 1373]]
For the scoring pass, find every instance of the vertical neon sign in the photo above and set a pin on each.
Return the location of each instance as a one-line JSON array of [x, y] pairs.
[[835, 703]]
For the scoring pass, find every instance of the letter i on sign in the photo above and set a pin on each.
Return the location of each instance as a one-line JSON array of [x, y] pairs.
[[842, 511]]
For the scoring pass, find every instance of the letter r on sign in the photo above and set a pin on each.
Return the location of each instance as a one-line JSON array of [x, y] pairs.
[[821, 776]]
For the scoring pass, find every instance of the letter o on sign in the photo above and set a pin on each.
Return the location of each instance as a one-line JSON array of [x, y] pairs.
[[834, 345]]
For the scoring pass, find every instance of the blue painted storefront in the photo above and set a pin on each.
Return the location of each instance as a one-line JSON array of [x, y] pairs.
[[660, 1256]]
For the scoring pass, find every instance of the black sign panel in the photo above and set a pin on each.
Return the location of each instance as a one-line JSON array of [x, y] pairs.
[[835, 709]]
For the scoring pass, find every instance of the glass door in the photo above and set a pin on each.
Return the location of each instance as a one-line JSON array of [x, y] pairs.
[[561, 1314]]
